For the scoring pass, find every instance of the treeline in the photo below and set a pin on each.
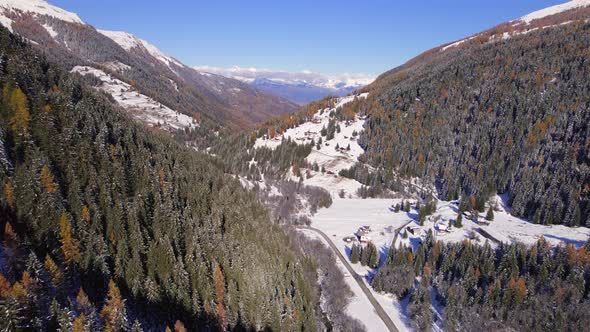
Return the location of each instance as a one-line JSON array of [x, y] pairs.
[[107, 225], [510, 287], [506, 116]]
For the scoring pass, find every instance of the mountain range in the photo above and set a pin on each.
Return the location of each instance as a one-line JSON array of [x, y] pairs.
[[148, 72], [298, 87]]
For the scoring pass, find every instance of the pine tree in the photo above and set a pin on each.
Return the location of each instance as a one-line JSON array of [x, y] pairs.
[[374, 257], [577, 218], [419, 261], [405, 234], [69, 245], [459, 221], [490, 214], [365, 254], [354, 254]]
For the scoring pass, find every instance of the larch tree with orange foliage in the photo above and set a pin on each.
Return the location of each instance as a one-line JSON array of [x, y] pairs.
[[113, 312], [20, 117], [9, 195], [47, 180], [219, 294], [69, 246]]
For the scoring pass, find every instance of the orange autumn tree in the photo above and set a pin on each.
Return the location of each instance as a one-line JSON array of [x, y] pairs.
[[219, 294], [53, 270], [179, 327], [85, 214], [9, 195], [113, 312], [20, 117], [47, 180], [79, 324], [69, 245]]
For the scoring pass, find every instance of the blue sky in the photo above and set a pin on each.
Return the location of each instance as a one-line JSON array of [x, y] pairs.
[[324, 36]]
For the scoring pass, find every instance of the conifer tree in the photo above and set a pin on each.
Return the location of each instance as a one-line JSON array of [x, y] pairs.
[[365, 254], [53, 270], [459, 221], [354, 254], [220, 295], [374, 257], [47, 180], [113, 312], [69, 245], [490, 214], [9, 194], [19, 121]]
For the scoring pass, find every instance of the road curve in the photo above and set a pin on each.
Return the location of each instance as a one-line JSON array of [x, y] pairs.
[[378, 308]]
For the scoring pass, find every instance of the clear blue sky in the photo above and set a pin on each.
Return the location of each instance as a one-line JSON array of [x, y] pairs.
[[323, 35]]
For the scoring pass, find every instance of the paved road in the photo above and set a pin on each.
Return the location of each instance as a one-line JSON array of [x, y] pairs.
[[378, 308]]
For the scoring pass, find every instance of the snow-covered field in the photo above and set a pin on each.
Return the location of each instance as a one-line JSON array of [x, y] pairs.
[[345, 216], [359, 306], [138, 105]]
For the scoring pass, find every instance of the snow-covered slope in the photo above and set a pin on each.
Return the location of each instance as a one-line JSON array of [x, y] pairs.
[[527, 23], [138, 105], [35, 7], [327, 157], [574, 4], [128, 41]]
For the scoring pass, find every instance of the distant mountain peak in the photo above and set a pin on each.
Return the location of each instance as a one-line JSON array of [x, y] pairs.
[[299, 87]]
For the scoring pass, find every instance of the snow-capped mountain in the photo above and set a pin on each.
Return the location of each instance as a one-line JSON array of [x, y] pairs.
[[68, 40], [564, 13], [299, 87]]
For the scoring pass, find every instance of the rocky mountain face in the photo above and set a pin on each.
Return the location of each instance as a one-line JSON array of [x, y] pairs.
[[66, 39]]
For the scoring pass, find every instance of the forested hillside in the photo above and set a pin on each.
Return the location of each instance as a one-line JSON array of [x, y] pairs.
[[492, 115], [510, 287], [108, 226]]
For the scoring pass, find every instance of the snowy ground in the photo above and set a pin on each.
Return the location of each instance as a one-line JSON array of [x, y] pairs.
[[327, 156], [359, 306], [345, 216], [505, 228], [138, 105]]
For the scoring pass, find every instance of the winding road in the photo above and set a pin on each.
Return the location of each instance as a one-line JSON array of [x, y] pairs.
[[378, 308]]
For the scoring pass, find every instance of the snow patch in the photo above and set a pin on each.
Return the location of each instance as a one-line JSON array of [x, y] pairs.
[[39, 7], [50, 30], [6, 22], [549, 11], [128, 42], [138, 105]]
